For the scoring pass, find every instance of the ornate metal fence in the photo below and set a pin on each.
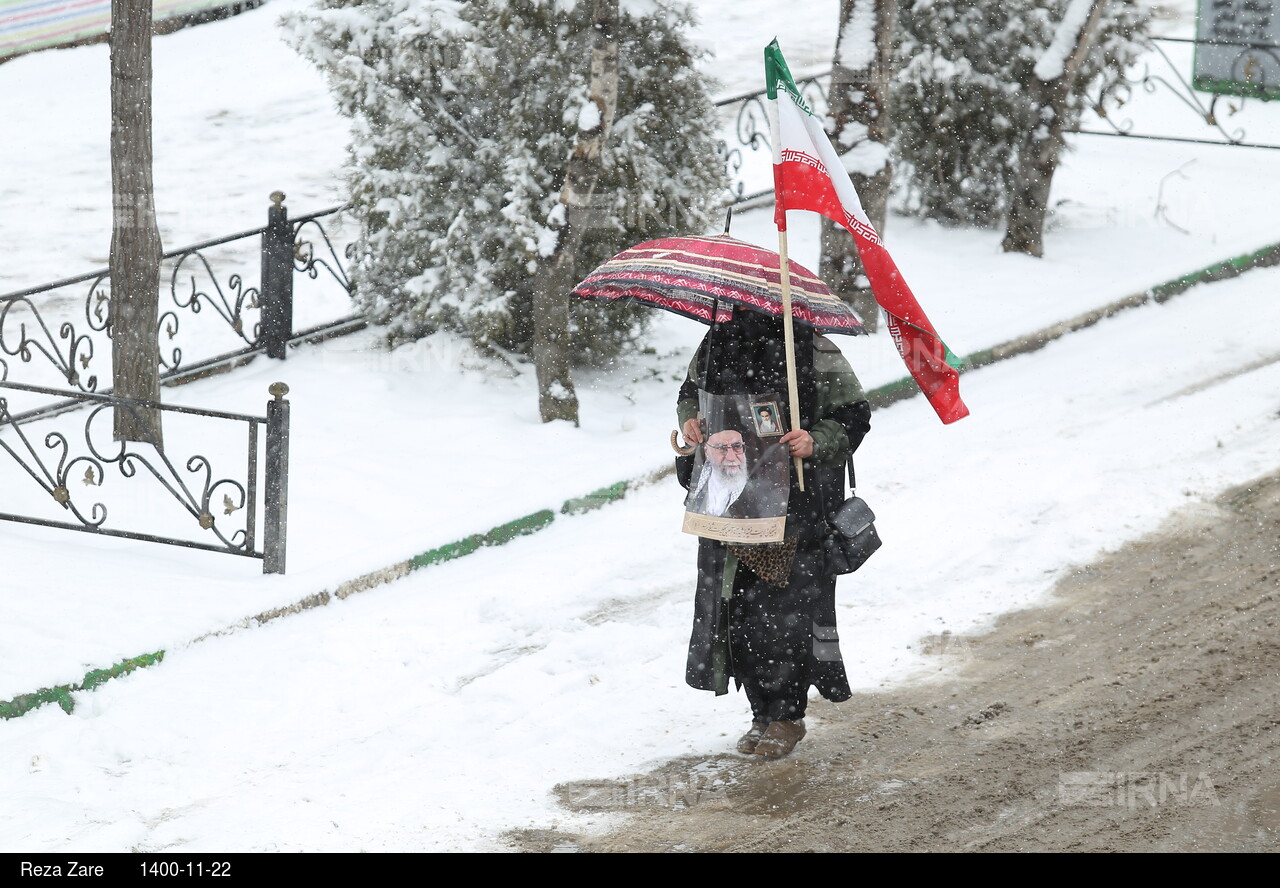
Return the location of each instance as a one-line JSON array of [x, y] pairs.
[[748, 156], [209, 318], [1162, 78], [68, 472], [59, 464]]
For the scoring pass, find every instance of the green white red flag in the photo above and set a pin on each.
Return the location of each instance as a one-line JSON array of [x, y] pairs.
[[808, 175]]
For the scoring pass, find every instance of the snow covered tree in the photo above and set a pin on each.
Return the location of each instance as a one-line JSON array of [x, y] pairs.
[[962, 99], [1040, 148], [552, 340], [464, 119]]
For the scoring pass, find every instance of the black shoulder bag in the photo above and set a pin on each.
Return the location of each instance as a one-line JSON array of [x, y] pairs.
[[851, 538]]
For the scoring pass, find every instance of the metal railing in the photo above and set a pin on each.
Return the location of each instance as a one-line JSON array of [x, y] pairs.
[[747, 116], [1161, 76], [63, 329], [68, 467], [748, 151], [61, 452]]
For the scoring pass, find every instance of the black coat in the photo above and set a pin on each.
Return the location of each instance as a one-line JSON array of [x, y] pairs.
[[744, 627]]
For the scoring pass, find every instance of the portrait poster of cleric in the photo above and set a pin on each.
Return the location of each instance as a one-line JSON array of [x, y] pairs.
[[741, 475]]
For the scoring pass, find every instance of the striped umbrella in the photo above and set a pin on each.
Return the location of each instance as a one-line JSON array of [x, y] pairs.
[[696, 276]]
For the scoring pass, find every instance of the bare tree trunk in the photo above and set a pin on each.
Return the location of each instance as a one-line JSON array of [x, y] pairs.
[[135, 237], [858, 100], [1041, 148], [555, 277]]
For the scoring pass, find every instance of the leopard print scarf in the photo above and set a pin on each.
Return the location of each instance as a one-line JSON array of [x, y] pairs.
[[771, 562]]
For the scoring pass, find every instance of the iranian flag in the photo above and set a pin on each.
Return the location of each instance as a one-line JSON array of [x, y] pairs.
[[808, 175]]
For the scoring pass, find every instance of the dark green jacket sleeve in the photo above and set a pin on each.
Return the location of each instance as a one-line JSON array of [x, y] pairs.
[[842, 404]]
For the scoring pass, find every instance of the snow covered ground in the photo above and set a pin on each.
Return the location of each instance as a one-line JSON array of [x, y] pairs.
[[432, 713]]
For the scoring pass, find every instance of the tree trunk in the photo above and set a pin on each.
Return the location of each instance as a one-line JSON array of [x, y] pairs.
[[858, 101], [1038, 154], [552, 339], [1041, 148], [135, 237]]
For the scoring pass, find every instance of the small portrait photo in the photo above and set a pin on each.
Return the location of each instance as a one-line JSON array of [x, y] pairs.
[[768, 418]]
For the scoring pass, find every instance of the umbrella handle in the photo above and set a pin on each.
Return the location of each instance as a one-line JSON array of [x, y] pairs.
[[683, 451]]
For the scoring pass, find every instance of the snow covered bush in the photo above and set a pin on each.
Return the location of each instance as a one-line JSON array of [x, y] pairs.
[[959, 98], [463, 121]]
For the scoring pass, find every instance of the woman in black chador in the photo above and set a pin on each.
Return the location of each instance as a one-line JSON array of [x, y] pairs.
[[764, 614]]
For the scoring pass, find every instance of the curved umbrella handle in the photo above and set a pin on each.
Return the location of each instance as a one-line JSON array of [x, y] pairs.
[[683, 451]]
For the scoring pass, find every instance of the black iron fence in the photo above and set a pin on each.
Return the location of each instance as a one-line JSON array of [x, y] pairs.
[[1163, 81], [67, 471], [59, 463], [210, 317], [748, 156], [1125, 107]]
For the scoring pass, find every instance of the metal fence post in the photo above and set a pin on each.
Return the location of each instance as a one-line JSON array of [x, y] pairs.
[[277, 279], [276, 501]]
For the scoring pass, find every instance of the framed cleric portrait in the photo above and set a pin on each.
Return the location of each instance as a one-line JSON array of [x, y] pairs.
[[767, 416], [740, 481]]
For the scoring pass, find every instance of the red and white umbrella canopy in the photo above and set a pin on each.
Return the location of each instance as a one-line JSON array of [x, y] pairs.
[[695, 276]]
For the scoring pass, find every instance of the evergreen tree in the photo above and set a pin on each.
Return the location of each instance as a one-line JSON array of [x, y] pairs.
[[464, 116], [961, 99]]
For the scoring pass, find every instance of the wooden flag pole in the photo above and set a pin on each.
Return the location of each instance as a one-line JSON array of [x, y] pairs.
[[789, 336]]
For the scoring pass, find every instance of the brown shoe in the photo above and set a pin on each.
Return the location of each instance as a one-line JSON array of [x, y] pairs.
[[780, 738], [748, 741]]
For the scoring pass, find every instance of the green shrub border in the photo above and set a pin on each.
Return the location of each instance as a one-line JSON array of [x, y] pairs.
[[61, 694]]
